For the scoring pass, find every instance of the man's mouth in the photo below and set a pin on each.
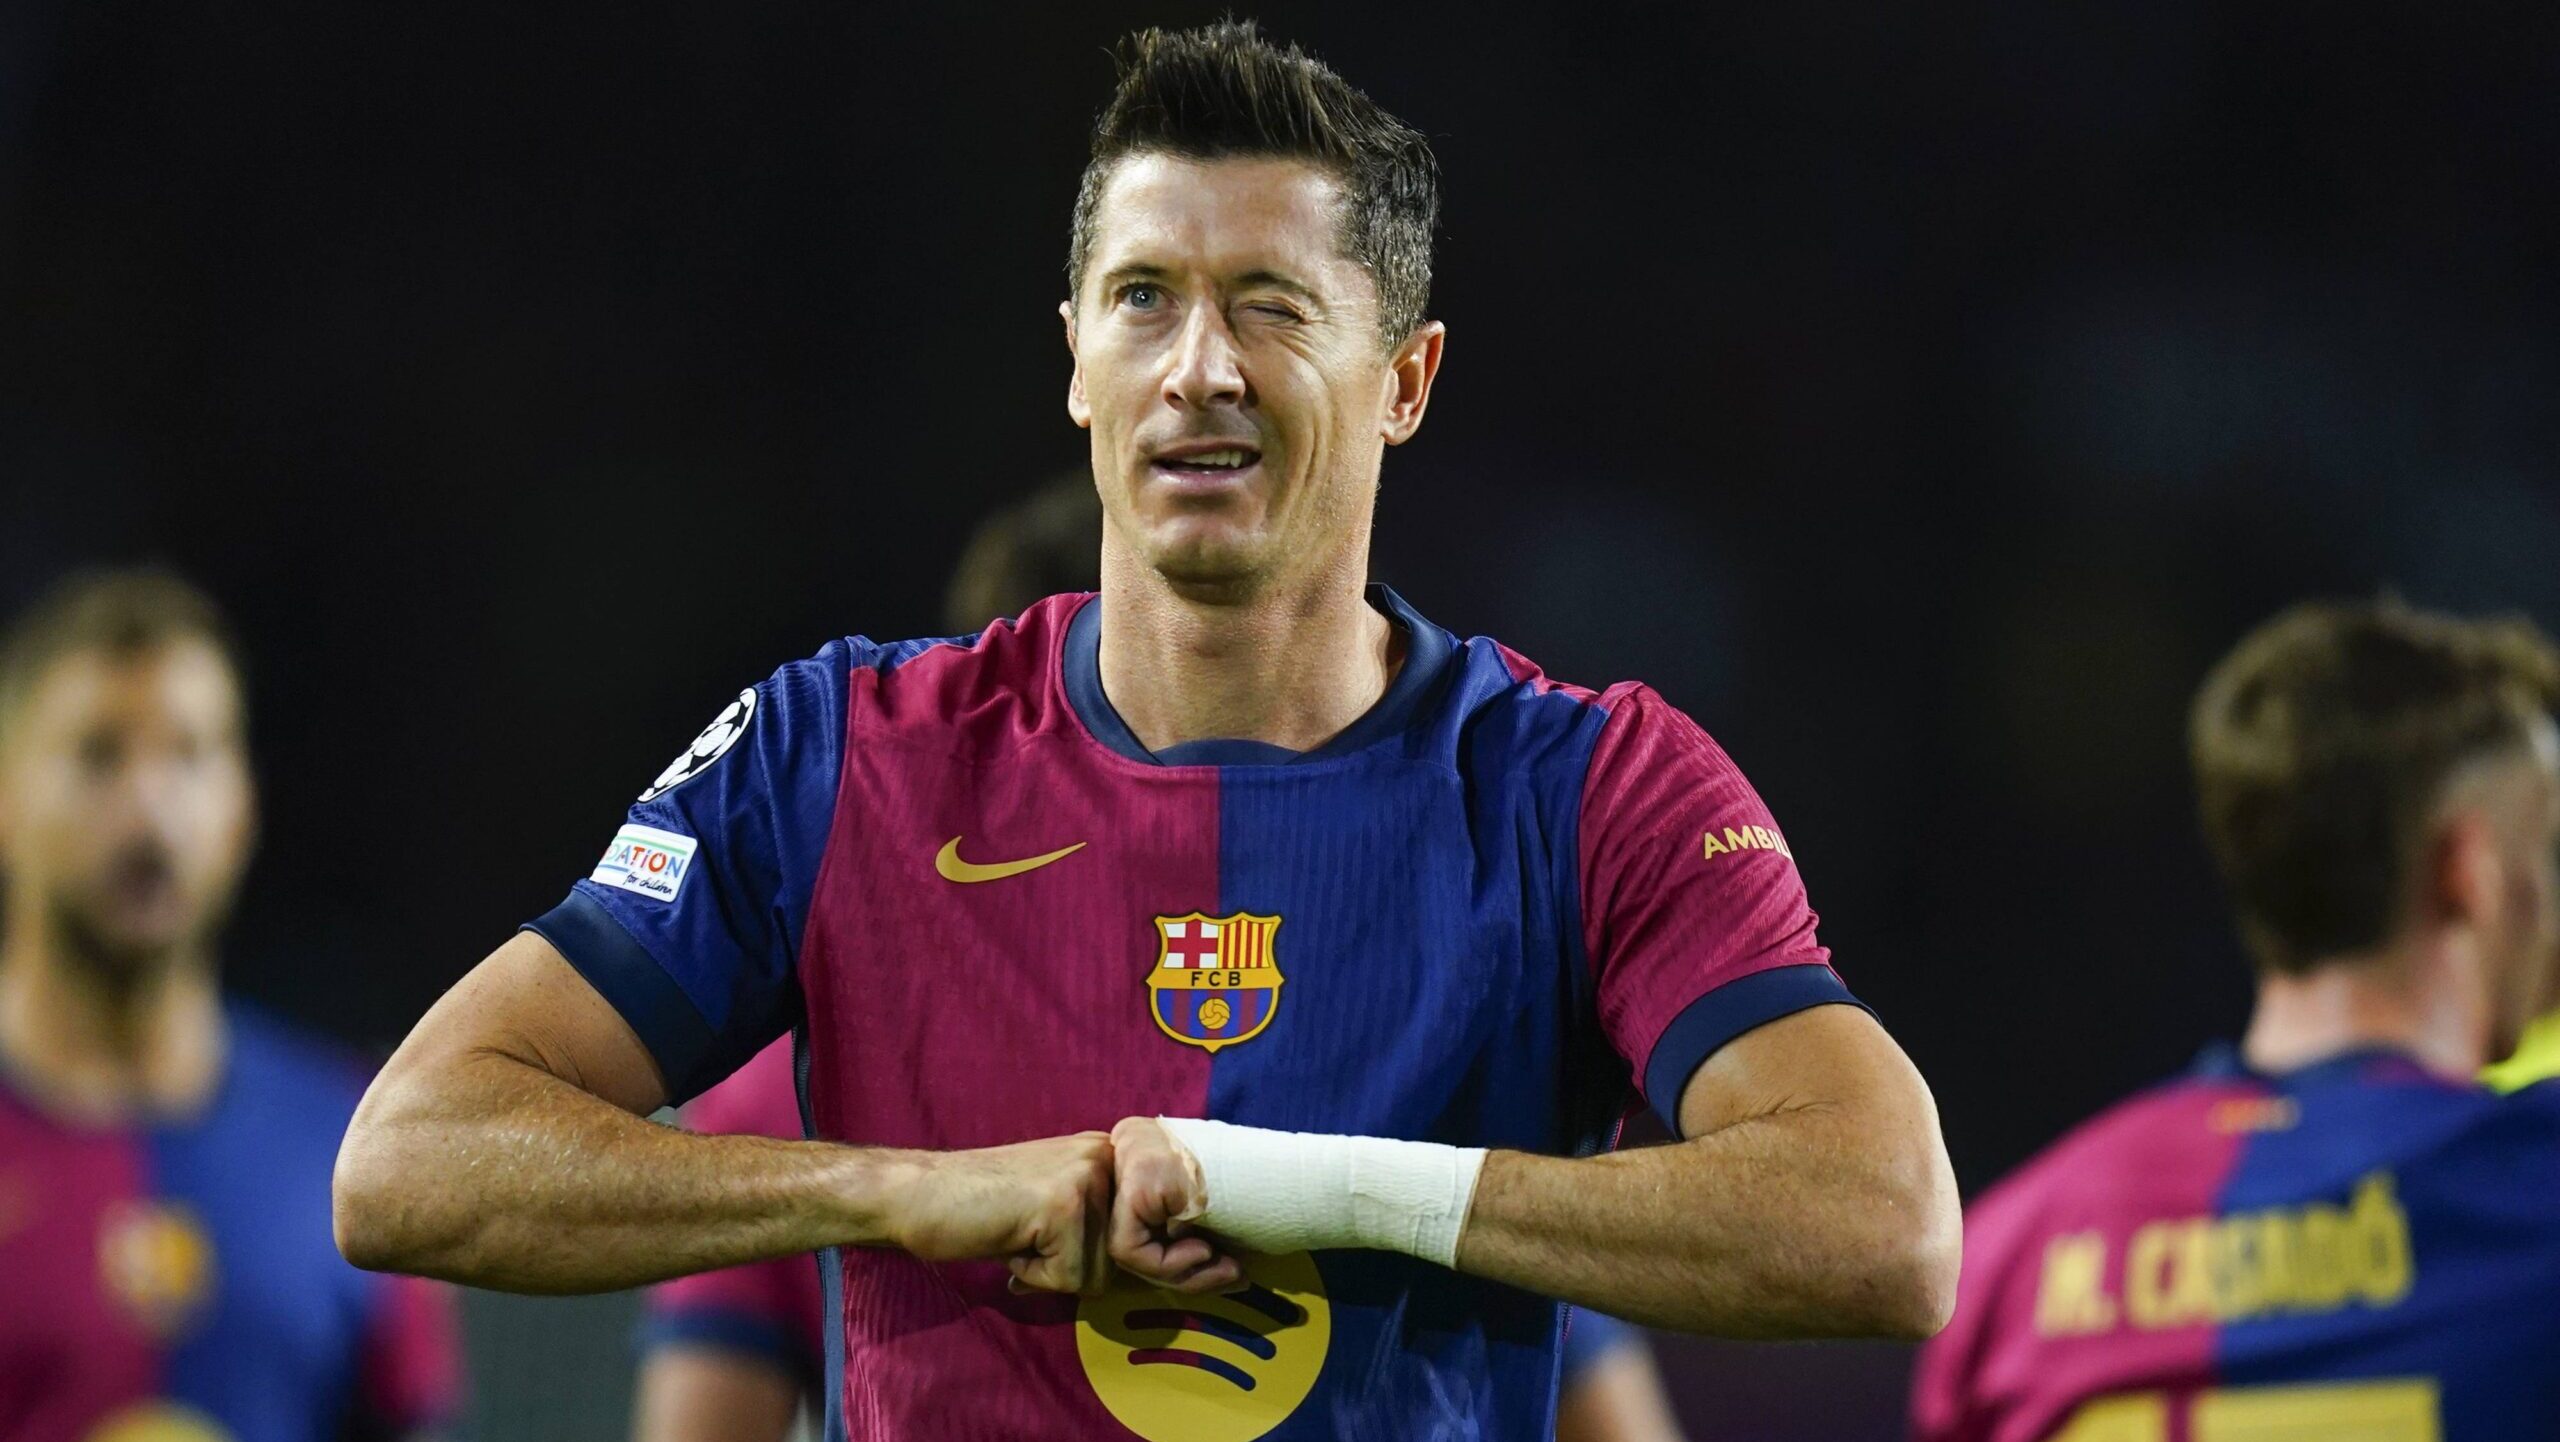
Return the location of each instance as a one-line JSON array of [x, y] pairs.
[[1206, 463]]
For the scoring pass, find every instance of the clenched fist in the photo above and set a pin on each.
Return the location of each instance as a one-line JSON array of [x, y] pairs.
[[1043, 1207], [1158, 1195]]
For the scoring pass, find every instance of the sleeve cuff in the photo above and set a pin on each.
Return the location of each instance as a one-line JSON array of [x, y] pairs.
[[723, 1330], [626, 975], [1705, 1025]]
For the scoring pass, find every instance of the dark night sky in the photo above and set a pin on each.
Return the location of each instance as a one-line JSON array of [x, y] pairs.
[[1921, 395]]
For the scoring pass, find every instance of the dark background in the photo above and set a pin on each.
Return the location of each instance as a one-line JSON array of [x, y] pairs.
[[1922, 396]]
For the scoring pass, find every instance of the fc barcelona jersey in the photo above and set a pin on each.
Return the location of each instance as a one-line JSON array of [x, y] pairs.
[[176, 1280], [1486, 914], [2356, 1250]]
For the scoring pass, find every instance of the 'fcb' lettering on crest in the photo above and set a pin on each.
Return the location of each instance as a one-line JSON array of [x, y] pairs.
[[1216, 980]]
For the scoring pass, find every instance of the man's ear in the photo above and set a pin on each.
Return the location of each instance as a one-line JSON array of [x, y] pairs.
[[2465, 877], [1410, 372], [1077, 410]]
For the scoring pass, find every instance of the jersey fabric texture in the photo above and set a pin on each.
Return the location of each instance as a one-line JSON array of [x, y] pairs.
[[1481, 915], [178, 1279], [2354, 1249]]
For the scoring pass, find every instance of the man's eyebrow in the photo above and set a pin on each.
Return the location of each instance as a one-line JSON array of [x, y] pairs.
[[1277, 281], [1135, 270], [1120, 275]]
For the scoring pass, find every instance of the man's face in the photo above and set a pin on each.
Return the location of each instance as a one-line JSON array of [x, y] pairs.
[[1229, 364], [125, 804], [2527, 821]]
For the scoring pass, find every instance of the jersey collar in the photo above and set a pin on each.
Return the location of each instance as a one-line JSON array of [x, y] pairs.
[[2370, 1063], [1428, 651]]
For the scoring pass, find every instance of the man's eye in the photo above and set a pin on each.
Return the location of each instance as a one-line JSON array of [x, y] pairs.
[[1140, 297]]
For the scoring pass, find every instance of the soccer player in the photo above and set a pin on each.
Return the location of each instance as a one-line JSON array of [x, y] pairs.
[[731, 1355], [2330, 1231], [166, 1268], [1212, 992]]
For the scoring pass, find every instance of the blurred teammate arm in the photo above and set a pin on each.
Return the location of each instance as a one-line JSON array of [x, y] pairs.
[[1612, 1391], [700, 1393]]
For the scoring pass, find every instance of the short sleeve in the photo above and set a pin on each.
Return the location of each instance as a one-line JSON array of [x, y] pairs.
[[766, 1310], [691, 923], [410, 1366], [1693, 913]]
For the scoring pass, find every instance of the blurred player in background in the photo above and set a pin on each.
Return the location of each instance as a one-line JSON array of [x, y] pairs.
[[735, 1355], [1215, 994], [2331, 1231], [166, 1268]]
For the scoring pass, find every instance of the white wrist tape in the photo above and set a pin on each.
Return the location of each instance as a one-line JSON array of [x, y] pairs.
[[1299, 1191]]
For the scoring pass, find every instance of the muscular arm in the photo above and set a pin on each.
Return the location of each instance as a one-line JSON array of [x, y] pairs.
[[506, 1145], [1812, 1199]]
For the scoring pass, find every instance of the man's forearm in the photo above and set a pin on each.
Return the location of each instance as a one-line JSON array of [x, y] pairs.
[[1799, 1223], [492, 1172]]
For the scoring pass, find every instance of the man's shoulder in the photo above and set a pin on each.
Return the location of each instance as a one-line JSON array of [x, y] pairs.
[[917, 682], [1494, 685]]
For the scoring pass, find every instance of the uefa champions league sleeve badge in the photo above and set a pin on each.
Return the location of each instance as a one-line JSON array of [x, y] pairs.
[[710, 746]]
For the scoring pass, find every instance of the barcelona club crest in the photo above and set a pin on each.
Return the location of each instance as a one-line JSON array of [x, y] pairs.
[[1216, 980]]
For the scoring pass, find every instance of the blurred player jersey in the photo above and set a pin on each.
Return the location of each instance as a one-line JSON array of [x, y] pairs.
[[179, 1282], [1474, 917], [2356, 1250]]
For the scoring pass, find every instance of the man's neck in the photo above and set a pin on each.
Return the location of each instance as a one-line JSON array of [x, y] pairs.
[[104, 1050], [2418, 1004], [1290, 666]]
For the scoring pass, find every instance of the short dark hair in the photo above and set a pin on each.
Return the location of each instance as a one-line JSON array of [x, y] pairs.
[[1047, 542], [116, 613], [2322, 743], [1223, 90]]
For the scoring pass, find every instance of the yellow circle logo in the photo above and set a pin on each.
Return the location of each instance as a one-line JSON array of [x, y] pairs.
[[1180, 1368], [159, 1422], [157, 1261]]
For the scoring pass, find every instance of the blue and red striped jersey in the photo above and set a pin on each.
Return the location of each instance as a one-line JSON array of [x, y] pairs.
[[1488, 913], [2357, 1249]]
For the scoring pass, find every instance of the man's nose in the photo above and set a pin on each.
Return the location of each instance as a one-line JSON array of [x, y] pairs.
[[1206, 369]]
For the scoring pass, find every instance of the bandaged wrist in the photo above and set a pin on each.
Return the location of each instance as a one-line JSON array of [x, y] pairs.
[[1300, 1191]]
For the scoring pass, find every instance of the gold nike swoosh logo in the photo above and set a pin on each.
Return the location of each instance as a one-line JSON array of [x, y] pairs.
[[947, 861]]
